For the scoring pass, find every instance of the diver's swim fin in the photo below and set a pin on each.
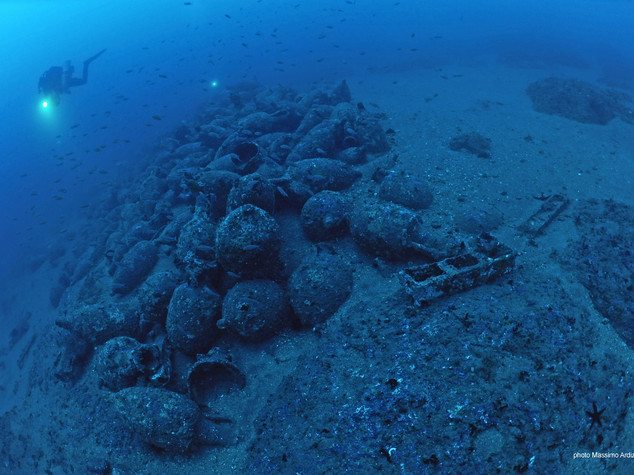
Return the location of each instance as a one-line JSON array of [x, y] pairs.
[[84, 75], [92, 58]]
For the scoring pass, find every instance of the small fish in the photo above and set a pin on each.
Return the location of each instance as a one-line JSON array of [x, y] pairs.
[[204, 250], [157, 117]]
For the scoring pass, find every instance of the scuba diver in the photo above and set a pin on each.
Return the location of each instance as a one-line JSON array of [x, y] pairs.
[[58, 80]]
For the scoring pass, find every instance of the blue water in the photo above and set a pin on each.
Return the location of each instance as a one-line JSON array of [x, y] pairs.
[[163, 55], [165, 59]]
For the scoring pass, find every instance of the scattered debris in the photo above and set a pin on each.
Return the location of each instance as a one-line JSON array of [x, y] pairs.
[[488, 260], [548, 211]]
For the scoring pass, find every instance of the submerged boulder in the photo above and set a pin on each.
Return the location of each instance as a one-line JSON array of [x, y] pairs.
[[325, 216], [407, 190], [97, 323], [320, 140], [393, 232], [579, 100], [191, 318], [134, 267], [318, 287], [248, 242], [167, 420], [473, 142], [121, 361], [254, 309]]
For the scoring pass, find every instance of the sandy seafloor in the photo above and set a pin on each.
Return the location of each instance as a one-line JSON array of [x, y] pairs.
[[497, 379]]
